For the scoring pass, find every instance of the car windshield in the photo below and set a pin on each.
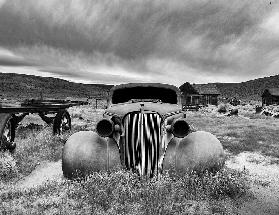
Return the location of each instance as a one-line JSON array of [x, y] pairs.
[[154, 94]]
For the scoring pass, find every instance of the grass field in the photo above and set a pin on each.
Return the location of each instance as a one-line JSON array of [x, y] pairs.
[[247, 132], [122, 192]]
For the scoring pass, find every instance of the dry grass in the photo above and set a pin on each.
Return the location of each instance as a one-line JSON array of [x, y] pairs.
[[125, 193], [238, 133], [121, 192]]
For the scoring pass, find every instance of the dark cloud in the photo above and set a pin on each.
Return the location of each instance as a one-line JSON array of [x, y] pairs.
[[211, 37], [14, 61]]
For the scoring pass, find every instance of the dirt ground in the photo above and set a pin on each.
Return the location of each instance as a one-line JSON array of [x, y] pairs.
[[264, 174], [44, 173]]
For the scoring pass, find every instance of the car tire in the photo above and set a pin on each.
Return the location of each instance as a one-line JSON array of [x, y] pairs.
[[7, 132]]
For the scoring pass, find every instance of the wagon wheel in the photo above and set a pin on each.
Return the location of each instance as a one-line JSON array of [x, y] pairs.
[[7, 132], [62, 122]]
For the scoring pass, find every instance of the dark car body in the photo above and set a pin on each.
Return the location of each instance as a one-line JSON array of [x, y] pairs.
[[144, 129], [143, 110]]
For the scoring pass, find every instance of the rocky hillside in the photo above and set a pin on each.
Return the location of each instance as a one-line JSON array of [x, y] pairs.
[[249, 90], [19, 87]]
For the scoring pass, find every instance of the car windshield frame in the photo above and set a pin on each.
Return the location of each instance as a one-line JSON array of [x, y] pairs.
[[157, 92]]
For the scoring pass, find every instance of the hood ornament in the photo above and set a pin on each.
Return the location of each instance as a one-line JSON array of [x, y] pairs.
[[141, 107]]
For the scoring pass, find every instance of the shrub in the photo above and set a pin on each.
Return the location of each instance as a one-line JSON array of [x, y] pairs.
[[125, 193], [222, 108], [8, 167]]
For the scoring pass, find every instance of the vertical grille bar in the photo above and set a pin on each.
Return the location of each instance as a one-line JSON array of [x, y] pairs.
[[142, 142]]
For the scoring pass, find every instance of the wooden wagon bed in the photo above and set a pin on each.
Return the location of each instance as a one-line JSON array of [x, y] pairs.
[[12, 114]]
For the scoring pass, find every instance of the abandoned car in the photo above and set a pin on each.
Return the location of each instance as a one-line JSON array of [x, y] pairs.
[[144, 130]]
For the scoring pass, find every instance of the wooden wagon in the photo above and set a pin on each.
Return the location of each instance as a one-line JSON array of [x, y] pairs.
[[12, 114]]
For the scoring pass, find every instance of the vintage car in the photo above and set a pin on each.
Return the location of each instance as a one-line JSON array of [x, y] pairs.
[[144, 130]]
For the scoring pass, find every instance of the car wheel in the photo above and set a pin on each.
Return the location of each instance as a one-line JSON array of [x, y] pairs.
[[7, 132]]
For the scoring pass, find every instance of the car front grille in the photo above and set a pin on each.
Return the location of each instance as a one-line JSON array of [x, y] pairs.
[[142, 142]]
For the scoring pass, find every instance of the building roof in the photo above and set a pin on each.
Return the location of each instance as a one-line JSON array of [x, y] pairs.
[[273, 91], [206, 89]]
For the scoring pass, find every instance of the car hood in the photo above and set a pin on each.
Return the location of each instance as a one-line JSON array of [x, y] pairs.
[[164, 109]]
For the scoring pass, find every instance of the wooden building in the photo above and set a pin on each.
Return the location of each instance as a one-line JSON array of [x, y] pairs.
[[270, 96], [199, 94]]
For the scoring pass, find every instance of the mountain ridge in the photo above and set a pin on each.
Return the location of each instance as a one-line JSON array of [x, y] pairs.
[[248, 90], [21, 86]]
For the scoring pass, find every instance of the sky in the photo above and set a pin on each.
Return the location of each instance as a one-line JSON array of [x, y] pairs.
[[122, 41]]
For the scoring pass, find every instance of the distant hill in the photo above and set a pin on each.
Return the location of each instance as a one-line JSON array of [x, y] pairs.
[[19, 87], [249, 90]]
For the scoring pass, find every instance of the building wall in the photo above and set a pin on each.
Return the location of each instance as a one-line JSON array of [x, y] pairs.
[[210, 99], [190, 100], [193, 100]]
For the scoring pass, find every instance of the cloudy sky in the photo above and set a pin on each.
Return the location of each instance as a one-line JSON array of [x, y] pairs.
[[120, 41]]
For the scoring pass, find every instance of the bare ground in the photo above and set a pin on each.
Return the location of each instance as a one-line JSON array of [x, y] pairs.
[[44, 173], [264, 174]]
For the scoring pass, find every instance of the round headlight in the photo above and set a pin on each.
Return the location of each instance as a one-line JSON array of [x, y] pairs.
[[105, 127], [180, 128]]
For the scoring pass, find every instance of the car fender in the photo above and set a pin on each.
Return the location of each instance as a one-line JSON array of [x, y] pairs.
[[86, 152], [197, 151]]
